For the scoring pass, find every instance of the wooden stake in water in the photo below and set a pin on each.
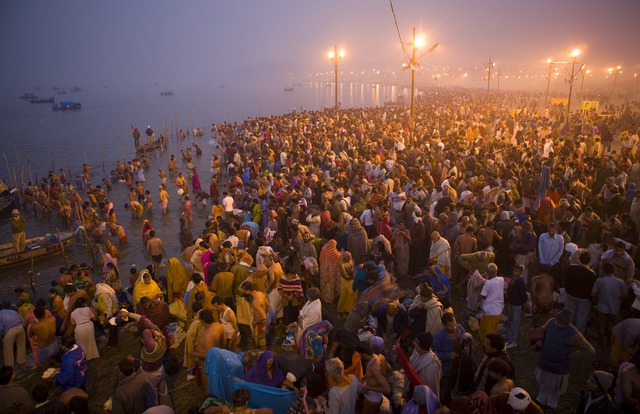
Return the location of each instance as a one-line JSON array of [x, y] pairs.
[[17, 158], [9, 171], [62, 248]]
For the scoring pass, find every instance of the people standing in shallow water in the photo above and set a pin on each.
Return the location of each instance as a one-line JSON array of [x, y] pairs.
[[340, 167]]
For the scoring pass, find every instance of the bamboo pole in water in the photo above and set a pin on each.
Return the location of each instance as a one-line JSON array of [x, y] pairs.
[[17, 158], [62, 248], [9, 171]]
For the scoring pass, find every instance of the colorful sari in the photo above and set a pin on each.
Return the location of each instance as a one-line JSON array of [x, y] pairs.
[[330, 271], [311, 342]]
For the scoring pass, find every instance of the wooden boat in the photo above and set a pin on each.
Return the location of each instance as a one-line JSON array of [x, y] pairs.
[[41, 100], [28, 95], [289, 89], [37, 247], [150, 147], [66, 106], [166, 93], [7, 203]]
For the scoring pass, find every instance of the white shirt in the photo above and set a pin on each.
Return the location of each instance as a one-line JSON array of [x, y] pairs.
[[227, 202], [493, 292], [367, 217]]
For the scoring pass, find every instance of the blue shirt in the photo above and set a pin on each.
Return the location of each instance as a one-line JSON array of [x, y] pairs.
[[73, 369], [443, 347], [9, 319], [550, 248]]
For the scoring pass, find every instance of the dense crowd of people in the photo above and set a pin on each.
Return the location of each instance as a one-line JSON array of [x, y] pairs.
[[333, 262]]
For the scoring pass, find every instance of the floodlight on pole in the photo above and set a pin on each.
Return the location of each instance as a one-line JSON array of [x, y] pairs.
[[417, 42], [615, 71], [574, 55], [336, 56]]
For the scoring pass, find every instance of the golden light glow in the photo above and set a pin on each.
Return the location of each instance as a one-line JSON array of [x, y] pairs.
[[419, 41], [575, 52], [549, 60], [341, 53]]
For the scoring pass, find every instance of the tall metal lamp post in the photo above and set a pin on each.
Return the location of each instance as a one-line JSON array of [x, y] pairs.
[[637, 77], [574, 55], [615, 71], [546, 95], [584, 75], [336, 57], [416, 43]]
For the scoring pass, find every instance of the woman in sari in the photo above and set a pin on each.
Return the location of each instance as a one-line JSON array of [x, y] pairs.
[[195, 181], [384, 228], [401, 242], [221, 367], [266, 371], [177, 279], [347, 294], [145, 286], [312, 342], [331, 270]]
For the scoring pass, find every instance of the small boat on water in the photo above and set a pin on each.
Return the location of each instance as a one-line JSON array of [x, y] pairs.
[[29, 96], [67, 106], [289, 89], [8, 202], [166, 93], [37, 247], [150, 147], [41, 100]]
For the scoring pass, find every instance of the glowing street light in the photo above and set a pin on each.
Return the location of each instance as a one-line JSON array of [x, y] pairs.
[[584, 74], [615, 71], [336, 57], [574, 55], [546, 95], [417, 42]]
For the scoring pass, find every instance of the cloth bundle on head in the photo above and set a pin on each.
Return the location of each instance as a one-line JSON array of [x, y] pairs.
[[564, 317], [604, 380], [519, 399], [15, 212]]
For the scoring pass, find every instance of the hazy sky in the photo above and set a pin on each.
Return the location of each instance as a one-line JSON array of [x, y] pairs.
[[84, 43]]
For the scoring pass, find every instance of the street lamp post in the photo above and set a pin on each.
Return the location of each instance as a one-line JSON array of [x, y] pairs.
[[584, 75], [637, 76], [335, 57], [574, 55], [546, 95], [416, 43], [615, 72]]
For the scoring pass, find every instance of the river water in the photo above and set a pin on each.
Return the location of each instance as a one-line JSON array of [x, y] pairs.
[[35, 139]]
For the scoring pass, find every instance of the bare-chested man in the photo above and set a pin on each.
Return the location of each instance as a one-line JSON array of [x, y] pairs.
[[487, 236], [227, 318], [465, 243], [44, 333], [630, 386], [542, 287], [211, 337], [155, 248], [259, 306]]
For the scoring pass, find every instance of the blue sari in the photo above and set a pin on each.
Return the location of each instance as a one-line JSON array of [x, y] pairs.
[[222, 366]]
